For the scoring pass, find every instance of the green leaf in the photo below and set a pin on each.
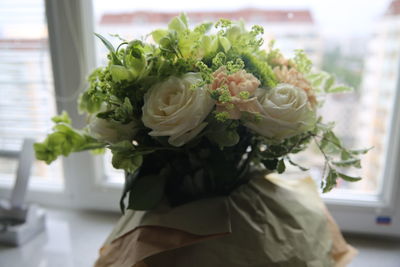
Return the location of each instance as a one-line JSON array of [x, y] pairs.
[[330, 181], [360, 151], [348, 163], [203, 27], [178, 25], [330, 143], [348, 178], [135, 65], [88, 103], [126, 162], [183, 17], [98, 151], [126, 157], [318, 80], [123, 113], [224, 134], [224, 42], [120, 73], [107, 44], [344, 155], [329, 83], [45, 153], [129, 180], [326, 126], [63, 141], [111, 48], [297, 165], [281, 166], [340, 89], [147, 192], [270, 164], [158, 34], [234, 33], [205, 44], [66, 138], [62, 118]]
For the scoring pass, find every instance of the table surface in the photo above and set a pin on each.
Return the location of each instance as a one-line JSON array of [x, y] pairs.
[[73, 238]]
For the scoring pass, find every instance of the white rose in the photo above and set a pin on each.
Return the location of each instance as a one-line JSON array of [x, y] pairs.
[[172, 108], [286, 112], [112, 132]]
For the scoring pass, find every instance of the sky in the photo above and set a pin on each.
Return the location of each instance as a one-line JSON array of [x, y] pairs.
[[336, 18]]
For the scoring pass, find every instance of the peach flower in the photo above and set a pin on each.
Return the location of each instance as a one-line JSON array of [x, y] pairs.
[[237, 83], [295, 78]]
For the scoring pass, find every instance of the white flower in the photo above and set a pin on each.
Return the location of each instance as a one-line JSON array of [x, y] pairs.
[[172, 108], [112, 132], [286, 112]]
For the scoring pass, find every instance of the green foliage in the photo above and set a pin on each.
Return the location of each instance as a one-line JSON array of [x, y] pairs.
[[296, 165], [62, 118], [147, 192], [281, 167], [339, 89], [270, 164], [110, 47], [220, 157], [303, 63], [64, 140], [259, 69], [336, 157], [222, 131], [126, 157], [323, 82]]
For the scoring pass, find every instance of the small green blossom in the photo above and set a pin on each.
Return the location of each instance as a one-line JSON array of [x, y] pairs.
[[235, 66], [244, 95], [224, 95], [214, 94], [221, 116], [223, 23], [257, 117], [303, 63], [256, 30], [219, 60]]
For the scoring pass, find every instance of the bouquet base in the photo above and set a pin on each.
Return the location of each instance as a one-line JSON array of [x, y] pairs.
[[268, 222]]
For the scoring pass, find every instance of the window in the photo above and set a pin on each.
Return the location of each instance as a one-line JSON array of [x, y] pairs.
[[28, 100], [369, 116], [353, 45], [312, 28]]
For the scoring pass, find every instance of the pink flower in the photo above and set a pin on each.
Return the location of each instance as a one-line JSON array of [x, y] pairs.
[[241, 86], [237, 82]]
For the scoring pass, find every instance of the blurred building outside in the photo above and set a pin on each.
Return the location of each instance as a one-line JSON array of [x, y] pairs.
[[378, 90]]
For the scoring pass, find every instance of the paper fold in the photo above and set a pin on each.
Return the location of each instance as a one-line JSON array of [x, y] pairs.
[[268, 222]]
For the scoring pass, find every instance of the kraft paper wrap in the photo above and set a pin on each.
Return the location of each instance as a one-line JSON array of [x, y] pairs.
[[271, 221]]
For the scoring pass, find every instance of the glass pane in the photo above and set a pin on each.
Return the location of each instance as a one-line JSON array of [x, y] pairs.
[[361, 48], [28, 100]]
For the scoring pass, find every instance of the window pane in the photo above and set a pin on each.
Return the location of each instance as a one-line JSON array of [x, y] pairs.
[[28, 100], [361, 48]]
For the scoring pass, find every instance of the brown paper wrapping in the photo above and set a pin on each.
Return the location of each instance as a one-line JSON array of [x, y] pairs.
[[270, 221]]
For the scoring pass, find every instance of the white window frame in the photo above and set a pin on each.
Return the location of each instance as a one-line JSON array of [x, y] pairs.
[[71, 40]]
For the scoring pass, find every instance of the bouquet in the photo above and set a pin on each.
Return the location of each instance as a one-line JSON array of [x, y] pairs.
[[189, 113]]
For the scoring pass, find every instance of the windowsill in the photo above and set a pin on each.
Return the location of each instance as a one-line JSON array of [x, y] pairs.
[[352, 198], [7, 182], [73, 238]]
